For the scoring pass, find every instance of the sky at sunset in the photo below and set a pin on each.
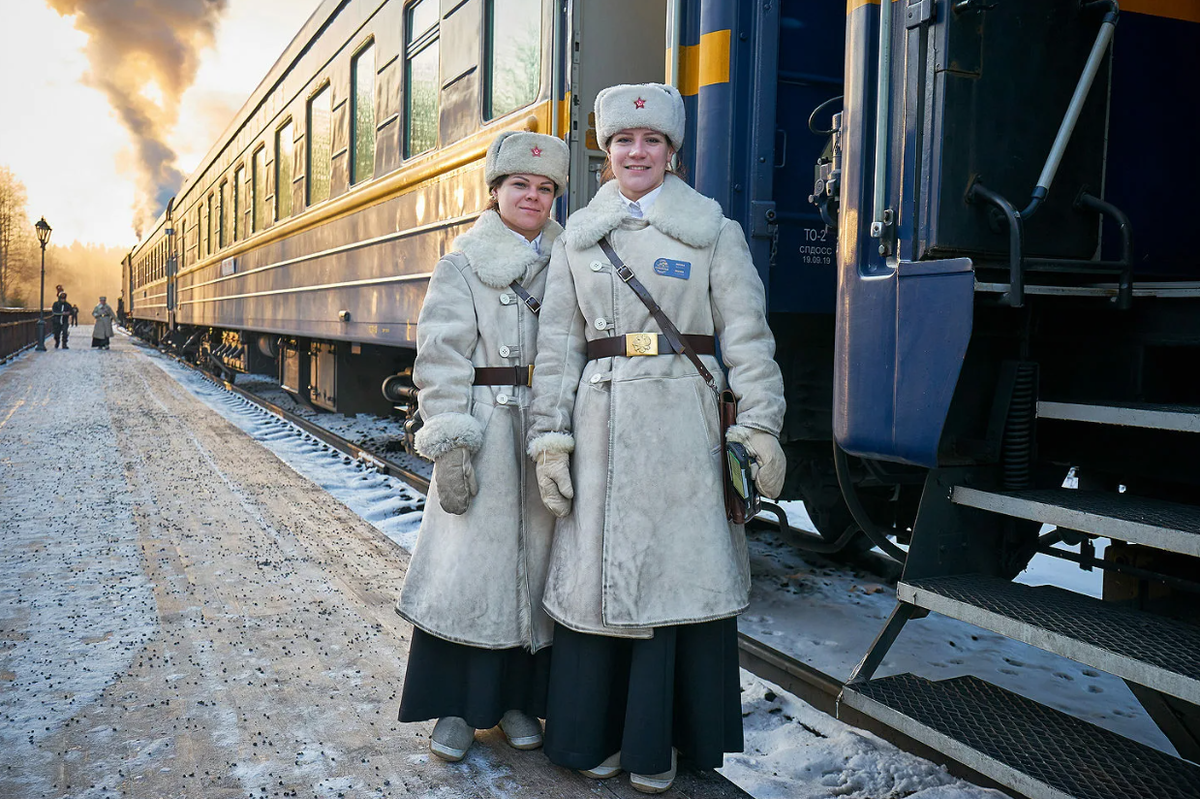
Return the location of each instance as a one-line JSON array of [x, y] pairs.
[[60, 134]]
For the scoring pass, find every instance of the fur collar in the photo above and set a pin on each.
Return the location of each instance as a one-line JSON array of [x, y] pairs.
[[680, 211], [496, 256]]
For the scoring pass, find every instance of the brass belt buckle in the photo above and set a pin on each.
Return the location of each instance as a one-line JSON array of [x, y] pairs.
[[640, 344], [529, 377]]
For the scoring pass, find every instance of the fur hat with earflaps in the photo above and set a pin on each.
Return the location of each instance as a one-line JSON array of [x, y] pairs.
[[640, 105], [519, 152]]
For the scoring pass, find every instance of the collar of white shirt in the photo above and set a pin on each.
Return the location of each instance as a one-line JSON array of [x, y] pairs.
[[535, 245], [646, 201]]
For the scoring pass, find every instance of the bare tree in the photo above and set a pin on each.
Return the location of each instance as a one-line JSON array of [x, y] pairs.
[[13, 219]]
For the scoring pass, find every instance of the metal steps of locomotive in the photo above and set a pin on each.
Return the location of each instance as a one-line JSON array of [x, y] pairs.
[[1150, 650], [1177, 418], [1040, 752], [1170, 526]]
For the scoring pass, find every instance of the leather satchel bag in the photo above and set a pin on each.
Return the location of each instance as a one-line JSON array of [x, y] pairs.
[[738, 508]]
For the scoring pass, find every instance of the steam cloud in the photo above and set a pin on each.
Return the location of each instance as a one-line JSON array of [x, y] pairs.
[[144, 55]]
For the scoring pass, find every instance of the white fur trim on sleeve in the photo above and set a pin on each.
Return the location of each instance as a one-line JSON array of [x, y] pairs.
[[446, 431], [551, 442], [738, 434]]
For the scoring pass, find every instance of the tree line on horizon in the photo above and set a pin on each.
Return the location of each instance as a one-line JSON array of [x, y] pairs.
[[85, 271]]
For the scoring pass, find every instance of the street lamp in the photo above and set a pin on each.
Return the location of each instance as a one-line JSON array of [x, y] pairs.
[[43, 234]]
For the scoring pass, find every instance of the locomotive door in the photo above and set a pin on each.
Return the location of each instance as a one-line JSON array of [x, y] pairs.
[[615, 41]]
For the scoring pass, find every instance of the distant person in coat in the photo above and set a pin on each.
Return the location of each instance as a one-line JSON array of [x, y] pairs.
[[60, 319], [74, 316], [103, 331], [647, 575], [481, 643]]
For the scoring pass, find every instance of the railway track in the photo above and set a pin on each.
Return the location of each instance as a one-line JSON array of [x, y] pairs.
[[812, 685]]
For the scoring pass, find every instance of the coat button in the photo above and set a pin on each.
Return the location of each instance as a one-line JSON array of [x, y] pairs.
[[506, 299], [601, 323], [501, 399], [596, 378], [504, 351], [598, 265]]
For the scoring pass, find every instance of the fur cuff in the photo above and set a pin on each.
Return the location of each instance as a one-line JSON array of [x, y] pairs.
[[742, 434], [446, 431], [551, 442]]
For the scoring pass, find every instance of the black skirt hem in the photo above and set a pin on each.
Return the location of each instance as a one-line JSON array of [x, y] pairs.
[[642, 697], [479, 685]]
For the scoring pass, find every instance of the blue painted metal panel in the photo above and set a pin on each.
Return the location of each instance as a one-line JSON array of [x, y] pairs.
[[752, 145], [811, 60], [902, 327]]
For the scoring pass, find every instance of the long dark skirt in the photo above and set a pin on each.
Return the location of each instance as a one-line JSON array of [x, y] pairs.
[[681, 688], [100, 342], [476, 684]]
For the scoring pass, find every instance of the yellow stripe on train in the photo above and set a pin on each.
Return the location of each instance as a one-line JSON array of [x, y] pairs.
[[702, 64], [425, 169]]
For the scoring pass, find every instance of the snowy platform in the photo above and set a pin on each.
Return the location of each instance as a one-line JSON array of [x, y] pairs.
[[181, 614], [196, 601]]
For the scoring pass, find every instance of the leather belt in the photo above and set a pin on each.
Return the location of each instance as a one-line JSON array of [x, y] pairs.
[[636, 344], [504, 375]]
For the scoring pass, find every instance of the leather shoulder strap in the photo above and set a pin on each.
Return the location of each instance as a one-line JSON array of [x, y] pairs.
[[529, 299], [668, 327]]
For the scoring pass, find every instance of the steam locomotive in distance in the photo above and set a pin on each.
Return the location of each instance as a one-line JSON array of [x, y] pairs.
[[973, 220]]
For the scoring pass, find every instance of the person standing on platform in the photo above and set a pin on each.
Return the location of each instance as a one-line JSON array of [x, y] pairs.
[[74, 316], [647, 575], [60, 320], [480, 647], [103, 330]]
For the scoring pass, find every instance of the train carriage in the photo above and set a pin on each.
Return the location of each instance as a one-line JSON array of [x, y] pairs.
[[970, 296]]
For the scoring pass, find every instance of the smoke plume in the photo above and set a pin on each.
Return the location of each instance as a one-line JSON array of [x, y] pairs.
[[143, 56]]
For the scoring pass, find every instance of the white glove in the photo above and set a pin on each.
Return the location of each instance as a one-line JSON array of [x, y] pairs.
[[455, 478], [769, 466], [554, 482]]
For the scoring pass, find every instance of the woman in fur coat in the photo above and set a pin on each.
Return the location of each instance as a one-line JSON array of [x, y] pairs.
[[473, 589], [646, 574], [103, 331]]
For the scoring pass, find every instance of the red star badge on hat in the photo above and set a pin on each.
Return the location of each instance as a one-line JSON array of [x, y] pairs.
[[640, 103], [537, 152]]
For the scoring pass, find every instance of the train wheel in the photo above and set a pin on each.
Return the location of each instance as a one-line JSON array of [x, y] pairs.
[[812, 478]]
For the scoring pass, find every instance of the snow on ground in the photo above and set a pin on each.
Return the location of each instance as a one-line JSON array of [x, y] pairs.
[[57, 657], [391, 506], [792, 750], [826, 616]]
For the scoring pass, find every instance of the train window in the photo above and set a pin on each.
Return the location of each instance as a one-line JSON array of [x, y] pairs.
[[514, 56], [223, 216], [319, 145], [239, 209], [183, 244], [422, 16], [208, 227], [258, 190], [362, 115], [421, 76], [284, 142]]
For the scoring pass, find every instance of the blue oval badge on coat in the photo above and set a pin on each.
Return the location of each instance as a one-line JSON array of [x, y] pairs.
[[668, 268]]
